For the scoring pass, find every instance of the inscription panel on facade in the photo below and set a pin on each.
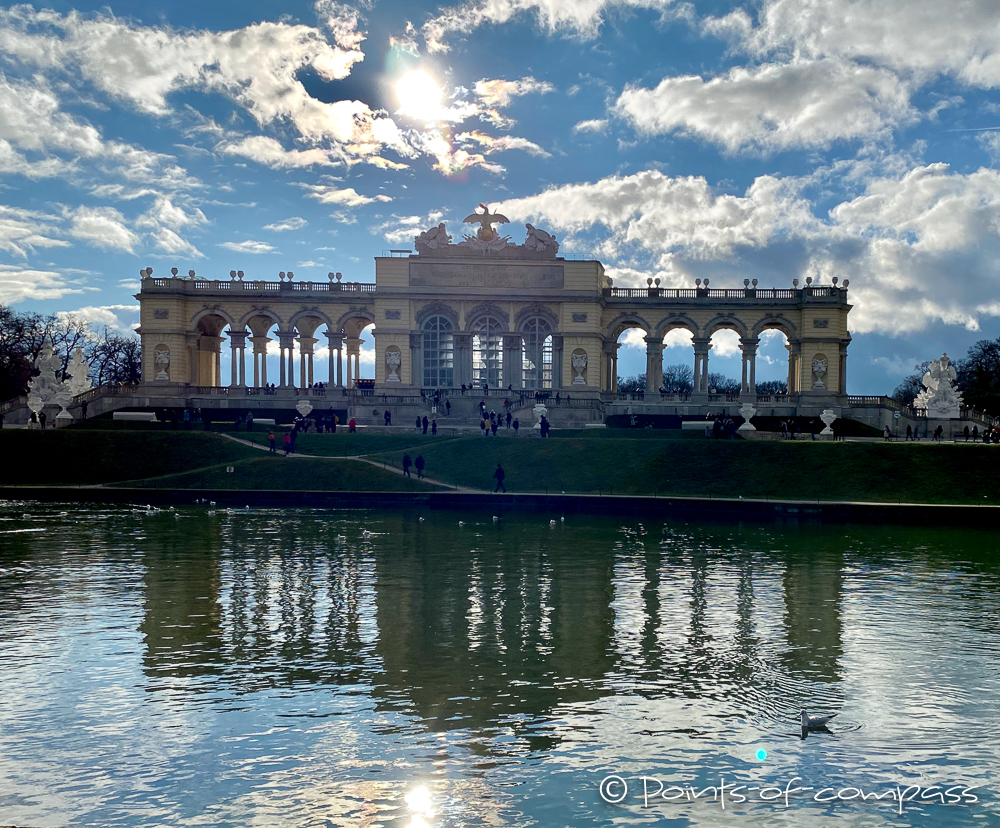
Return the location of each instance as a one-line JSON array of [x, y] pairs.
[[487, 274]]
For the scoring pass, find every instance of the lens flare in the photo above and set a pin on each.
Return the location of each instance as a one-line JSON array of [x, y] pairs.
[[419, 96]]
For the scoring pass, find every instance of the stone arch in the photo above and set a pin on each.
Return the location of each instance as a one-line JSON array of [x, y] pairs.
[[621, 323], [437, 309], [776, 322], [726, 321], [223, 314], [679, 320], [266, 313], [355, 314], [486, 309], [316, 314], [536, 309]]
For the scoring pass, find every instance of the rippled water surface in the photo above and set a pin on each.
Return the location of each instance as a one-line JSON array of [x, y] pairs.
[[287, 668]]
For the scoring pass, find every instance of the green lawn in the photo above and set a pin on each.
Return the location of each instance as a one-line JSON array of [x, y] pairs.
[[345, 444], [266, 472], [801, 469], [82, 457]]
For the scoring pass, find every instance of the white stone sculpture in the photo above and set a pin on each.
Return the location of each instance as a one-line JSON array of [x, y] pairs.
[[940, 397], [580, 366], [746, 412], [47, 388], [79, 370], [819, 371], [539, 411], [433, 239], [393, 359], [828, 416], [162, 359], [540, 241], [304, 407]]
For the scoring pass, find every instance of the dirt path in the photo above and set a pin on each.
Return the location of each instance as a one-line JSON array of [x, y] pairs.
[[357, 459]]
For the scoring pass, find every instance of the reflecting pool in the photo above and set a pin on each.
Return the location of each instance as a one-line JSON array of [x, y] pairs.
[[346, 668]]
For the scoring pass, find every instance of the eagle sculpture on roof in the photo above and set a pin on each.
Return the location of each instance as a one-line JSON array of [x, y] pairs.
[[486, 220]]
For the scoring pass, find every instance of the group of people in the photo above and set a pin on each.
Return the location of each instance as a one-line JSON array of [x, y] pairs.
[[490, 422], [988, 435], [722, 428], [422, 423], [419, 465]]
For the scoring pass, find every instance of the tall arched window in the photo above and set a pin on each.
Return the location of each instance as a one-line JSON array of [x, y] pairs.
[[439, 353], [536, 355], [487, 352]]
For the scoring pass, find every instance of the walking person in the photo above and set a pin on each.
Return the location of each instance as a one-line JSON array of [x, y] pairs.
[[975, 434], [426, 423], [295, 434], [434, 427], [407, 462], [463, 389], [420, 466], [352, 425], [482, 427], [517, 425], [288, 442], [493, 426], [388, 417], [418, 425], [909, 432], [499, 476], [508, 419], [447, 407], [41, 419], [270, 439], [887, 434], [966, 432]]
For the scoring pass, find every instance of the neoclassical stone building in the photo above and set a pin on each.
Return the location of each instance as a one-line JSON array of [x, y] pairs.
[[486, 311]]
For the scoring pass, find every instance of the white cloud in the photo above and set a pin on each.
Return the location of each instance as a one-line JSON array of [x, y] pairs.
[[22, 231], [775, 106], [19, 283], [919, 38], [593, 125], [918, 246], [504, 142], [34, 123], [120, 318], [293, 223], [347, 197], [500, 92], [270, 153], [402, 229], [582, 18], [248, 246], [102, 227]]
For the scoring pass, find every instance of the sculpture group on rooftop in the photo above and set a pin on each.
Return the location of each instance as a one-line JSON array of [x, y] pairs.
[[486, 240]]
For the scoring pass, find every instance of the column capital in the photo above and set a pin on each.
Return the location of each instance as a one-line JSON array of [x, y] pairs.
[[237, 339]]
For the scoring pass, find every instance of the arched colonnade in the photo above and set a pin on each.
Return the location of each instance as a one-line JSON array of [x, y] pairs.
[[212, 327]]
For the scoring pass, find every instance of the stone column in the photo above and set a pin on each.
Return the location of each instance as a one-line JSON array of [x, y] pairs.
[[306, 346], [794, 355], [463, 357], [238, 342], [843, 368], [417, 360], [608, 348], [353, 360], [286, 345], [654, 362], [702, 345], [511, 373], [748, 387], [334, 344], [557, 362]]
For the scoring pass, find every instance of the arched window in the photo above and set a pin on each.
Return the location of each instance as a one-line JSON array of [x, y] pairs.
[[439, 353], [536, 355], [487, 352]]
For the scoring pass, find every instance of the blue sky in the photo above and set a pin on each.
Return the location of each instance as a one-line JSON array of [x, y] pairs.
[[771, 140]]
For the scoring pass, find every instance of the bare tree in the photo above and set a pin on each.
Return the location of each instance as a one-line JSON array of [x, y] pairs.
[[678, 379], [115, 359]]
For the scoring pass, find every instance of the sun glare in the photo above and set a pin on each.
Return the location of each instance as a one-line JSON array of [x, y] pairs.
[[419, 96]]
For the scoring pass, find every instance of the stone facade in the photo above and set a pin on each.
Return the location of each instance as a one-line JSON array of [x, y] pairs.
[[483, 311]]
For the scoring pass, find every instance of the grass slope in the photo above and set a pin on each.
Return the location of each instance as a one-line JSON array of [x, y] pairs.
[[72, 457], [266, 473], [801, 469], [345, 444]]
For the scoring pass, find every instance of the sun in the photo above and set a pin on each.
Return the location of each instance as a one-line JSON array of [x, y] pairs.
[[419, 96]]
